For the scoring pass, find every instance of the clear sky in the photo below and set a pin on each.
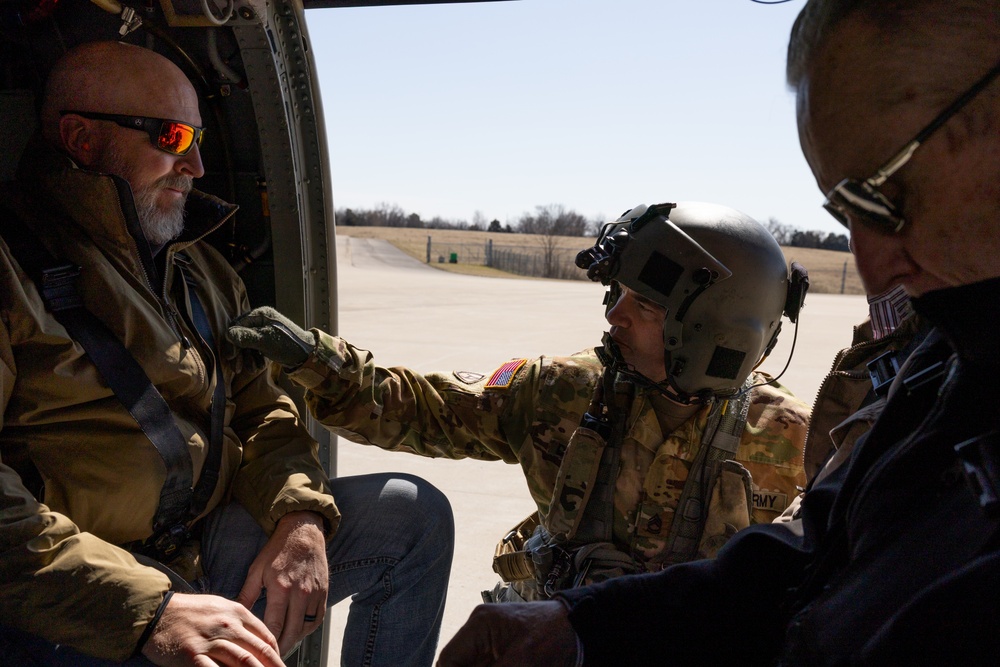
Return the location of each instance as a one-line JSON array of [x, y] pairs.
[[598, 105]]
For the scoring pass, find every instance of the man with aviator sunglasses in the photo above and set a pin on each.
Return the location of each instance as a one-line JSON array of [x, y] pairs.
[[895, 556], [91, 574]]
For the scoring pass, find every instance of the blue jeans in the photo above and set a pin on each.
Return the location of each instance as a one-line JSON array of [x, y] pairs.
[[392, 553]]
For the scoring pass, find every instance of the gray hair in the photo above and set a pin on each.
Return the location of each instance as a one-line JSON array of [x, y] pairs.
[[953, 40]]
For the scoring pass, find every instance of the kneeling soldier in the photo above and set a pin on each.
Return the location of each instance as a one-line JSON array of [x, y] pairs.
[[651, 449]]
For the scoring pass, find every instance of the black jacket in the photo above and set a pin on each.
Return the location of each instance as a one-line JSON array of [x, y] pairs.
[[896, 559]]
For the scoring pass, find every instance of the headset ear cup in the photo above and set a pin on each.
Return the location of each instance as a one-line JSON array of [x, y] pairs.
[[798, 285]]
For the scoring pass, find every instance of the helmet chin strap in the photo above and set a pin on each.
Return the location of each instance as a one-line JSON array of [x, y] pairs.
[[611, 356]]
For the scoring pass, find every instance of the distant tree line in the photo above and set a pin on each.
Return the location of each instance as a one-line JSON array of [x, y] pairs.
[[550, 220], [555, 220], [787, 235]]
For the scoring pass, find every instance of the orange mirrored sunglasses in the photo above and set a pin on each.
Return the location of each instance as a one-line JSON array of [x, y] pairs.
[[171, 136]]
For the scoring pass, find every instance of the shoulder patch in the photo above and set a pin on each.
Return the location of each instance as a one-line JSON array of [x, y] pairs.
[[503, 376], [468, 377]]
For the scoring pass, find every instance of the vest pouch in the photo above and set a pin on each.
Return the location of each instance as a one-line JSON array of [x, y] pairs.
[[574, 483], [533, 568], [728, 508], [513, 562], [543, 555], [523, 563], [559, 567], [509, 558], [509, 592], [601, 561]]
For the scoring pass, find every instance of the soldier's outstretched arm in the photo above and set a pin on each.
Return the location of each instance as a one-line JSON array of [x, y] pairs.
[[514, 635], [396, 408]]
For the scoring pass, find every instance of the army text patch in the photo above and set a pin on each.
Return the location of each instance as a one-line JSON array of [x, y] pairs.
[[503, 376], [768, 500]]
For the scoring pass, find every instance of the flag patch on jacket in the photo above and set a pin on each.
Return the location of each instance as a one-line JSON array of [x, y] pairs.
[[503, 376]]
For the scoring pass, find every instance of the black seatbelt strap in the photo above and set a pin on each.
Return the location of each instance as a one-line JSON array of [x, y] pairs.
[[213, 459], [57, 283]]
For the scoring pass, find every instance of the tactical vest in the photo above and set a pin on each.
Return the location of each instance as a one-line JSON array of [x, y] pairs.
[[574, 546]]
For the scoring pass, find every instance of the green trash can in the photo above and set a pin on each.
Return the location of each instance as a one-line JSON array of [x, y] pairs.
[[454, 258]]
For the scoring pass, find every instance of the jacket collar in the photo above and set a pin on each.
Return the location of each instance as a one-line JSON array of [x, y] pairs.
[[966, 316], [102, 204]]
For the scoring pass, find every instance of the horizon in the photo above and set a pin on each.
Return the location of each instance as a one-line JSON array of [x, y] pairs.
[[496, 108]]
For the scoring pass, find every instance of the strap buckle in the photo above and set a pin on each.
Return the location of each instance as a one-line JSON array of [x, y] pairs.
[[165, 547], [59, 288], [982, 469], [562, 560], [883, 370]]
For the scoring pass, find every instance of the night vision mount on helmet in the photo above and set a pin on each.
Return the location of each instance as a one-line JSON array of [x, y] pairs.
[[721, 277]]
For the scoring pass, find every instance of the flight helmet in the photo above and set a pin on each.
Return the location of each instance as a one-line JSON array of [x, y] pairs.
[[721, 277]]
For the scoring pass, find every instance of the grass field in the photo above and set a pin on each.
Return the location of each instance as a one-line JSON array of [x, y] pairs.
[[828, 270]]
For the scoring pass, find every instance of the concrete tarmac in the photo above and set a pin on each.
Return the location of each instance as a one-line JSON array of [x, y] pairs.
[[411, 314]]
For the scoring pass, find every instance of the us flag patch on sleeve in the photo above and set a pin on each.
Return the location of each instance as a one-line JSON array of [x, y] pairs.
[[503, 376]]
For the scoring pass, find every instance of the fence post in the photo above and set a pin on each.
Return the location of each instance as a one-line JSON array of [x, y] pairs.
[[489, 252], [843, 278], [428, 249]]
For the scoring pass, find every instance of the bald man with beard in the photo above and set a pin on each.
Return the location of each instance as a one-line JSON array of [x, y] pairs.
[[250, 566]]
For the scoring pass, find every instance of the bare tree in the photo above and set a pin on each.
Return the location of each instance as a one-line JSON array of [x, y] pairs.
[[596, 224], [387, 215], [478, 221], [549, 223], [781, 232]]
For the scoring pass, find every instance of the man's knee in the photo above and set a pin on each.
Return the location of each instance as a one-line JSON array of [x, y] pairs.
[[412, 492], [417, 501], [400, 501]]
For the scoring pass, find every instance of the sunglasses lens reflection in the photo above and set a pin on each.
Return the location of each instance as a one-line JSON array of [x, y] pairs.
[[853, 201], [176, 137]]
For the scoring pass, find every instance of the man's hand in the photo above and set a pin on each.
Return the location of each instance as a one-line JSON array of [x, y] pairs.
[[513, 635], [272, 334], [210, 630], [292, 567]]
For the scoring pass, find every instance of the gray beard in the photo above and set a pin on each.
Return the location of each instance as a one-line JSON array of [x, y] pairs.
[[158, 226]]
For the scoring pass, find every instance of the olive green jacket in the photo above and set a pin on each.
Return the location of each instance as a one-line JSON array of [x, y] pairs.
[[841, 412], [529, 418], [66, 437], [846, 407]]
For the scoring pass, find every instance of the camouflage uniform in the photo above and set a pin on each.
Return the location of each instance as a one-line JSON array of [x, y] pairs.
[[527, 412]]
